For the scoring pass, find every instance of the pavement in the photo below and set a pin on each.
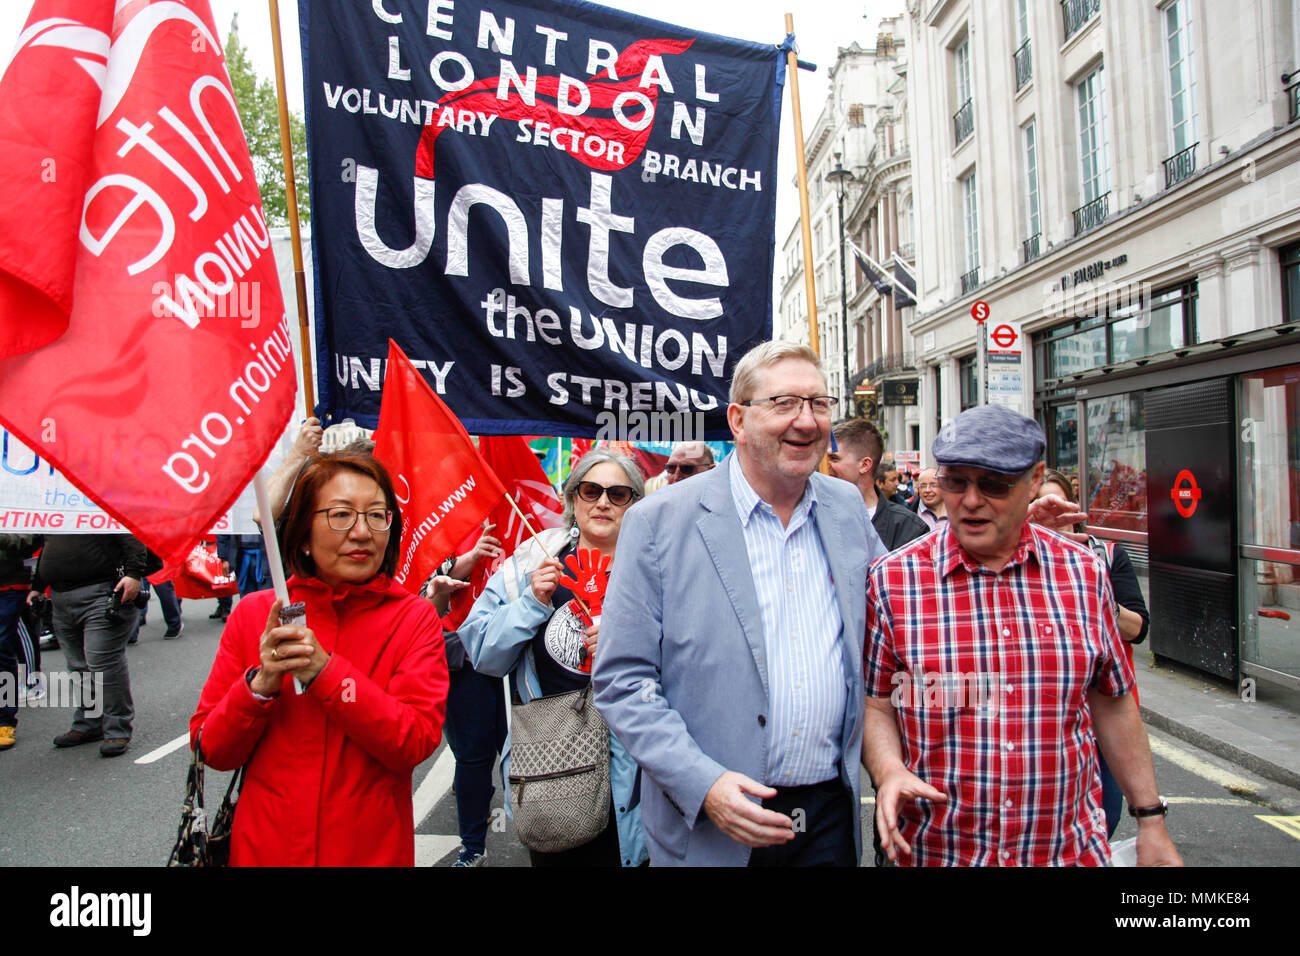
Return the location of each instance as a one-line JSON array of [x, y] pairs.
[[1256, 726]]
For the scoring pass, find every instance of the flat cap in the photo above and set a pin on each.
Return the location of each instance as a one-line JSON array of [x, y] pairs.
[[992, 437]]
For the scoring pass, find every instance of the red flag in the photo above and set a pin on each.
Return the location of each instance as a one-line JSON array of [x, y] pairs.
[[525, 481], [144, 349], [443, 487]]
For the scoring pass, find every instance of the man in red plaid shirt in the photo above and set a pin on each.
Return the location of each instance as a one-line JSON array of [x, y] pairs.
[[992, 658]]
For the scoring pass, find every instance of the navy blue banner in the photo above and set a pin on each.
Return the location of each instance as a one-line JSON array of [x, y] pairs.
[[556, 209]]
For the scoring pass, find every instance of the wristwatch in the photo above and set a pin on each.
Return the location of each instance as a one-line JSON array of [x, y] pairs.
[[1156, 810]]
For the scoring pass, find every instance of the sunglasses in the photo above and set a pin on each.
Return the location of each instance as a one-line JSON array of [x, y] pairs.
[[687, 470], [618, 495], [988, 487]]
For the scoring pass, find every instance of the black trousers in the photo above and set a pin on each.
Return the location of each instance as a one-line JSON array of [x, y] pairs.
[[823, 819]]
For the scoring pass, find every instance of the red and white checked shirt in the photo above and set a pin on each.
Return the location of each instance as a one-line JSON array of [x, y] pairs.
[[989, 674]]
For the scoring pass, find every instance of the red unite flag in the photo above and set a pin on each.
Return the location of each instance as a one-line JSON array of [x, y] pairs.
[[144, 349], [442, 485], [525, 481]]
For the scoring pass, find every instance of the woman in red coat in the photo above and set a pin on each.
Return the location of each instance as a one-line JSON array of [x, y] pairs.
[[328, 777]]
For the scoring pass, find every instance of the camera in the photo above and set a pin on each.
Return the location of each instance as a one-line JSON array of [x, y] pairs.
[[113, 613]]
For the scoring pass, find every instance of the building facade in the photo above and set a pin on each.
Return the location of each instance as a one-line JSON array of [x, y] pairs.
[[1117, 183], [858, 173]]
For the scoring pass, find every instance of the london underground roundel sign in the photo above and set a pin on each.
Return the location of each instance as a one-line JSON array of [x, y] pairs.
[[1186, 493]]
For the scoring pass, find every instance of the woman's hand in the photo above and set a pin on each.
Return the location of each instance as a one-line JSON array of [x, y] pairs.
[[487, 546], [592, 636], [545, 579], [441, 588], [286, 650]]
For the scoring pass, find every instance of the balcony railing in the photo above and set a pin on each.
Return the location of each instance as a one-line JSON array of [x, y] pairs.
[[894, 362], [1030, 246], [1091, 214], [970, 280], [1180, 166], [963, 122], [1075, 13], [1291, 85], [1024, 66]]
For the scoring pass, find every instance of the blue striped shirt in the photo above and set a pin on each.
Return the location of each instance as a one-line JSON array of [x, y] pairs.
[[807, 685]]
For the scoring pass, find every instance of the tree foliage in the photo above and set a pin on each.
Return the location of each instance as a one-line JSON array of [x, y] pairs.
[[260, 113]]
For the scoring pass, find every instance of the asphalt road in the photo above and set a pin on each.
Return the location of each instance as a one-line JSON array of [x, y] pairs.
[[76, 808]]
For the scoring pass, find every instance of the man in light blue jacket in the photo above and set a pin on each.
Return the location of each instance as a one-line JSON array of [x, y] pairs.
[[731, 648]]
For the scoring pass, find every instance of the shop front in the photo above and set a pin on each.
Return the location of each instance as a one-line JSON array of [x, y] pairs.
[[1188, 455]]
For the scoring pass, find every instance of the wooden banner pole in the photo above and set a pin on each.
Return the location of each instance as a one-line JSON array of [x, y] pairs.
[[291, 201]]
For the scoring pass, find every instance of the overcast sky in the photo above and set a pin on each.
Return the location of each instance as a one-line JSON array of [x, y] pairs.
[[821, 26]]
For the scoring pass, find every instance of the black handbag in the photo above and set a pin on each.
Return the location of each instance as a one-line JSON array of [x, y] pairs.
[[198, 844]]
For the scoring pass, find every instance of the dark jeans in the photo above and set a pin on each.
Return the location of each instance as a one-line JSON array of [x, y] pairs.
[[170, 603], [823, 817], [476, 732], [11, 603], [1112, 797], [96, 648]]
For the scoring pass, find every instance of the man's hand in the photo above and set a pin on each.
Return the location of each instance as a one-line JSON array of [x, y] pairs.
[[1053, 511], [1154, 847], [129, 587], [309, 438], [899, 785], [742, 819]]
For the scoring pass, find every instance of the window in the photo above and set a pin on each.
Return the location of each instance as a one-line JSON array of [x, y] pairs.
[[1290, 260], [963, 121], [1023, 59], [1126, 328], [1182, 82], [970, 222], [1031, 188], [970, 391], [1094, 165], [1117, 462]]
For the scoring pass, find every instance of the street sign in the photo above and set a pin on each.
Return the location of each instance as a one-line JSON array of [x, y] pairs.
[[980, 312]]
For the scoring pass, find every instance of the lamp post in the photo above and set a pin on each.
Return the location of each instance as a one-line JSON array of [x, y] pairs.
[[841, 177]]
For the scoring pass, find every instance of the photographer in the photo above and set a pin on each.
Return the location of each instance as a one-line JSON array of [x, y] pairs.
[[94, 580]]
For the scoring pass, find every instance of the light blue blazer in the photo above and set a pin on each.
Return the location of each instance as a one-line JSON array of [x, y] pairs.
[[681, 674]]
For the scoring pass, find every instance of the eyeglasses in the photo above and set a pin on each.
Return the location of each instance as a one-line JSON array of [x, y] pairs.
[[618, 495], [787, 406], [686, 470], [988, 487], [927, 484], [342, 519]]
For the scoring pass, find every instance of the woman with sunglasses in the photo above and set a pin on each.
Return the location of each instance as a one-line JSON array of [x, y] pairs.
[[327, 770], [526, 626]]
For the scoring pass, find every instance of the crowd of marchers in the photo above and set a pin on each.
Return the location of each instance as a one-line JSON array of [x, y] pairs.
[[696, 676]]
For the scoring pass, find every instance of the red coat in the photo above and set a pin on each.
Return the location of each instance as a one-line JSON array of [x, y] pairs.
[[329, 779]]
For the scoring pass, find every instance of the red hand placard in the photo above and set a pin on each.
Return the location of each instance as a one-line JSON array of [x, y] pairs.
[[590, 577]]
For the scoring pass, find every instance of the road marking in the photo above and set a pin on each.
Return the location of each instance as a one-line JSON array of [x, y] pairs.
[[1200, 801], [430, 849], [1210, 801], [181, 741], [1224, 778], [1288, 825], [434, 786]]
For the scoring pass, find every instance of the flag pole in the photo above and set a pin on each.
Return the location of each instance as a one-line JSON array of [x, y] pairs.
[[529, 528], [273, 551], [291, 201], [792, 67]]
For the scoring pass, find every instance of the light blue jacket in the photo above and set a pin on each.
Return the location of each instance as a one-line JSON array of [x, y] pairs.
[[497, 636]]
